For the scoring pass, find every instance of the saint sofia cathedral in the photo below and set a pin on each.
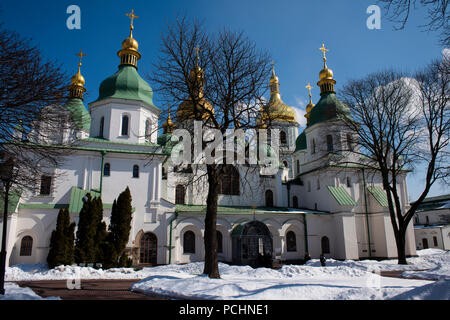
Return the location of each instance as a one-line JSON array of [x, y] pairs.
[[312, 204]]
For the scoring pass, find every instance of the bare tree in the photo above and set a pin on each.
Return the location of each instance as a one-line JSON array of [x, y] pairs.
[[31, 122], [402, 123], [438, 15], [217, 79]]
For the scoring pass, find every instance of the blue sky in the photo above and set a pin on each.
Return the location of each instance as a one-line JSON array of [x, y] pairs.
[[290, 30]]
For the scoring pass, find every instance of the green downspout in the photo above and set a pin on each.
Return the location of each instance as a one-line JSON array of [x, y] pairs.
[[170, 237], [367, 211], [306, 233], [103, 153]]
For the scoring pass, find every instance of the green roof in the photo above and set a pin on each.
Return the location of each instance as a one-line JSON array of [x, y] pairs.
[[126, 83], [76, 198], [379, 195], [328, 108], [79, 113], [300, 143], [13, 200], [341, 195]]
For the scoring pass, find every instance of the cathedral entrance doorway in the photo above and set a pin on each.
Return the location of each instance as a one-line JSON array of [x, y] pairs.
[[148, 249], [252, 244]]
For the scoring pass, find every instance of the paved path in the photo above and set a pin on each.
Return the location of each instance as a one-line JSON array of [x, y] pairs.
[[90, 290]]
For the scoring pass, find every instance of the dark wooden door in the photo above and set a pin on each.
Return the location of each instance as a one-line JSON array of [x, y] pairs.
[[149, 248]]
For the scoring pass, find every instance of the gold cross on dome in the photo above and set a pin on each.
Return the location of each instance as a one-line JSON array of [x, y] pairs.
[[309, 88], [132, 16], [81, 55], [324, 51]]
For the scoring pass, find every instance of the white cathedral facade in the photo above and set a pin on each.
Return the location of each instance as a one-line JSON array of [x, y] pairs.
[[313, 204]]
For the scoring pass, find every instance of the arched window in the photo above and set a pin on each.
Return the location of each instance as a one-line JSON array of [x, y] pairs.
[[189, 242], [107, 170], [102, 127], [147, 130], [349, 182], [325, 245], [229, 184], [318, 184], [180, 193], [295, 202], [298, 166], [46, 185], [291, 241], [26, 246], [269, 198], [313, 144], [219, 242], [285, 164], [125, 122], [329, 142], [135, 171], [283, 139]]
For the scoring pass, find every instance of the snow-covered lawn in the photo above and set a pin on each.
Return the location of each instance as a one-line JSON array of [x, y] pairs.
[[338, 280], [14, 292]]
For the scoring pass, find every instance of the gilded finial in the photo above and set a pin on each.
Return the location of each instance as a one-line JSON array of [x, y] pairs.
[[76, 87], [129, 54], [132, 16], [309, 87], [324, 51], [198, 54], [80, 55]]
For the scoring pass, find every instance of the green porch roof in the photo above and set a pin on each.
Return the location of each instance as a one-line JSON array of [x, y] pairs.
[[76, 198], [341, 195], [379, 195]]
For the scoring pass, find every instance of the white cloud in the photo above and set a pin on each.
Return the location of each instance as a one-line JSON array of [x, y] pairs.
[[300, 110]]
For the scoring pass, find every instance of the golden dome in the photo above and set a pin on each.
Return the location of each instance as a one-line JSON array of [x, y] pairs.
[[130, 43], [186, 109], [78, 80], [326, 74], [168, 125], [276, 109]]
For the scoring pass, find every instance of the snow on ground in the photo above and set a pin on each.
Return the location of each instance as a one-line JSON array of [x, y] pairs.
[[338, 280], [291, 282], [14, 292], [439, 290]]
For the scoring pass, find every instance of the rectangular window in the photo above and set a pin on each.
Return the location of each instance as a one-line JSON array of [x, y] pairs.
[[435, 241], [46, 184]]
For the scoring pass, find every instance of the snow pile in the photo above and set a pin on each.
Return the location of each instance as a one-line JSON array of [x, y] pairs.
[[14, 292], [427, 259], [439, 290], [291, 282], [441, 269]]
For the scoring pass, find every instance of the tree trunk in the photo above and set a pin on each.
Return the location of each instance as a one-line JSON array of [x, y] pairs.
[[401, 247], [211, 261], [3, 251]]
